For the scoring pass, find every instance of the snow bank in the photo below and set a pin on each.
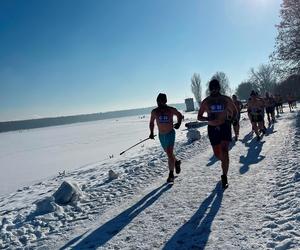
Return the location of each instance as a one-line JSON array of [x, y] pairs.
[[193, 135], [45, 206], [112, 175], [66, 193]]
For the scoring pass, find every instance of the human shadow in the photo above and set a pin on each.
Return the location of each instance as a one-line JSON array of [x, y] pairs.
[[247, 137], [253, 155], [270, 130], [107, 231], [194, 234]]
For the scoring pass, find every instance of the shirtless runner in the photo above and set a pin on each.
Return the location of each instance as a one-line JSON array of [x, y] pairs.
[[256, 113], [236, 122], [220, 111], [163, 115]]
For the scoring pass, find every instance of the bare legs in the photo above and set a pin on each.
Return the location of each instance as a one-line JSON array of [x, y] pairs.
[[221, 151], [171, 158]]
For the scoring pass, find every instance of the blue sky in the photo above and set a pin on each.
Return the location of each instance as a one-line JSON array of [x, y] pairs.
[[60, 57]]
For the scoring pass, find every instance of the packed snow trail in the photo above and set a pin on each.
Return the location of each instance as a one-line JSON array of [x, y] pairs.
[[138, 210], [195, 213]]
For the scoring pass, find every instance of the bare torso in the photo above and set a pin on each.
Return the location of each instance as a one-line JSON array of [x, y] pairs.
[[218, 109], [164, 118], [255, 105]]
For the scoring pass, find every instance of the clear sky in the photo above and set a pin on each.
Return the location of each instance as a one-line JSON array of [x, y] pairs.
[[61, 57]]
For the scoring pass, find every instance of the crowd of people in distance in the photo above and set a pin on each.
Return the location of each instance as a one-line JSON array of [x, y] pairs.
[[258, 106]]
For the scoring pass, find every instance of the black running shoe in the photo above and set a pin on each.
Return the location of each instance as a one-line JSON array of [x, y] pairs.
[[177, 166], [224, 181], [171, 178]]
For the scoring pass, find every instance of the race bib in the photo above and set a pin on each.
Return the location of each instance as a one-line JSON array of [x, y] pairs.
[[217, 108], [164, 119]]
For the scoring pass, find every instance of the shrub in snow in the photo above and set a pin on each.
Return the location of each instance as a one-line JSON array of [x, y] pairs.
[[112, 175], [66, 193], [193, 135]]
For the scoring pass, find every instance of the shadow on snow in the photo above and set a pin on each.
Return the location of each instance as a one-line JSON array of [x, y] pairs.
[[195, 233], [107, 231], [253, 155]]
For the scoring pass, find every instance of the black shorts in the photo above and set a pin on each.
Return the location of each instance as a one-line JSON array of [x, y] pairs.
[[256, 117], [216, 134], [270, 110]]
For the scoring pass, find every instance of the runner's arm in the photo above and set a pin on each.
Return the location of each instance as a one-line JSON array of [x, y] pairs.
[[179, 116], [201, 112], [151, 125]]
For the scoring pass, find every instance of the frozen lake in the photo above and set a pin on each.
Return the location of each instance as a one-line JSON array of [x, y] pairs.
[[31, 155]]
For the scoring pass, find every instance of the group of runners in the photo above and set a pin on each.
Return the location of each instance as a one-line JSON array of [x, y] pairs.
[[222, 113]]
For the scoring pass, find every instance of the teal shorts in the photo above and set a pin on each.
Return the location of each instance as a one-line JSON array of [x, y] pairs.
[[167, 140]]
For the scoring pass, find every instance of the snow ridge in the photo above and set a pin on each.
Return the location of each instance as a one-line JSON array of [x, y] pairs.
[[282, 220]]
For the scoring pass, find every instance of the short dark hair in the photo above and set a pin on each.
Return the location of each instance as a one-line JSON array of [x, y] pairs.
[[214, 84], [162, 98]]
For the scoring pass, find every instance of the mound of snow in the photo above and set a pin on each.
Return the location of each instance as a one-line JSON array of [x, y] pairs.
[[112, 175], [45, 206], [66, 193], [193, 135]]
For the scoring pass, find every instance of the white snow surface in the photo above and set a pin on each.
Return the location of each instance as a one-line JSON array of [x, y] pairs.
[[137, 209]]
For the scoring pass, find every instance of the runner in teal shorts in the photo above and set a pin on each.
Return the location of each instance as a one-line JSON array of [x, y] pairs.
[[163, 115], [167, 140]]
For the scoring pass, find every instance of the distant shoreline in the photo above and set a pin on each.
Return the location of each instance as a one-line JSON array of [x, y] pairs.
[[63, 120]]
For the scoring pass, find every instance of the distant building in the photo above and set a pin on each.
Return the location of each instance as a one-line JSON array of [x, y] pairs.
[[189, 103]]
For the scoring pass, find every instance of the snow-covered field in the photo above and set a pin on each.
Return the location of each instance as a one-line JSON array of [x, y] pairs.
[[138, 210], [31, 155]]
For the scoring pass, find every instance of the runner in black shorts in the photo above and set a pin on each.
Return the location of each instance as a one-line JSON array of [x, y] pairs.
[[256, 113], [217, 134], [220, 111], [236, 122], [270, 108]]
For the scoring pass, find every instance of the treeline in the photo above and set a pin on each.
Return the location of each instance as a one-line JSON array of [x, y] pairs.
[[289, 86]]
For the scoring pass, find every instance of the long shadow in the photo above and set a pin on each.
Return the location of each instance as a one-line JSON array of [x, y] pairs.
[[253, 155], [247, 137], [107, 231], [270, 130], [195, 233]]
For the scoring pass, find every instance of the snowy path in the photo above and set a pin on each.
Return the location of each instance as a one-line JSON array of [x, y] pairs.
[[196, 214], [259, 210]]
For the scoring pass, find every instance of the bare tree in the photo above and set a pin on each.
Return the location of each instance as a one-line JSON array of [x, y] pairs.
[[286, 56], [196, 87], [224, 82], [264, 78]]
